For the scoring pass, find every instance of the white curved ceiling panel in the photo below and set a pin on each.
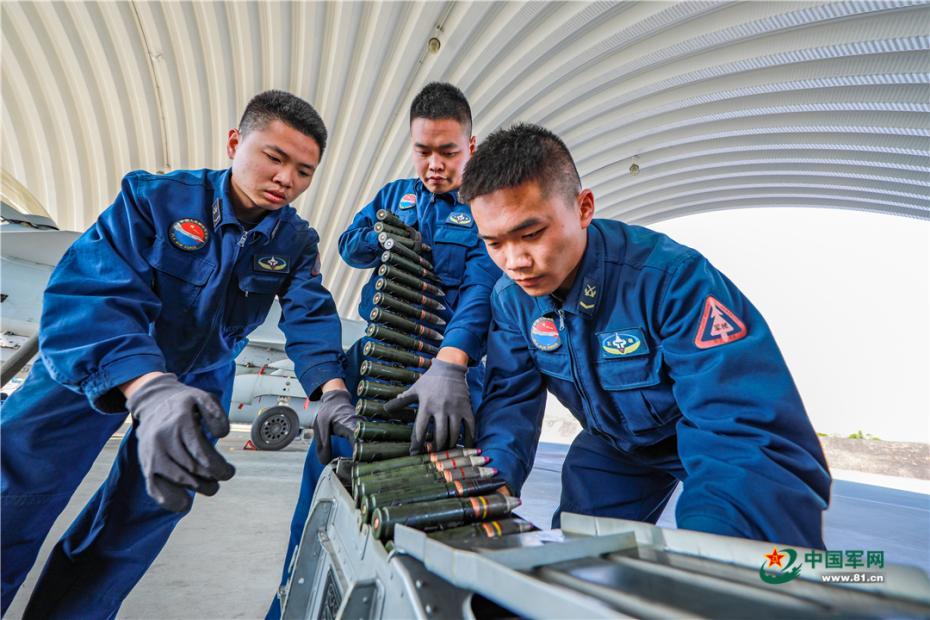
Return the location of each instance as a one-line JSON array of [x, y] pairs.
[[726, 105]]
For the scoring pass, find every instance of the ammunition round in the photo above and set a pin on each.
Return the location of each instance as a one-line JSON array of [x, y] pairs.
[[371, 389], [390, 373], [389, 271], [386, 334], [381, 227], [379, 450], [416, 313], [389, 218], [414, 297], [404, 324], [380, 351], [379, 431]]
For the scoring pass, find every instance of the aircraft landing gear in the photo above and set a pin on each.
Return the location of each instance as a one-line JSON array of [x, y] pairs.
[[275, 428]]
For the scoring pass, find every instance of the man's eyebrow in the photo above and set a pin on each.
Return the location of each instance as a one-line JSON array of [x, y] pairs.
[[285, 155], [527, 223], [441, 147]]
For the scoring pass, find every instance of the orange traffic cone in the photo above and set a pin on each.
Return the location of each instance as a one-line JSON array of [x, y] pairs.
[[249, 445]]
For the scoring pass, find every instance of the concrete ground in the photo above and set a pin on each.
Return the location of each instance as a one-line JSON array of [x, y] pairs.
[[224, 559]]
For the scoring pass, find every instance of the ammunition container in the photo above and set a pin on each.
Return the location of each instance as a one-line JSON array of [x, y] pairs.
[[484, 529], [367, 468], [392, 258], [390, 244], [391, 373], [381, 227], [390, 219], [408, 294], [404, 324], [418, 314], [389, 271], [371, 389], [381, 431], [379, 450], [375, 409], [386, 334], [407, 242], [380, 351], [441, 513]]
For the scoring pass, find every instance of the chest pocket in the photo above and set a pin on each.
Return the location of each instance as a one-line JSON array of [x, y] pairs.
[[636, 390], [179, 277], [249, 304], [553, 363], [450, 248]]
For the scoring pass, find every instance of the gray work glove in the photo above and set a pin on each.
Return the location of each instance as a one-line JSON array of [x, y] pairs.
[[174, 451], [336, 416], [442, 394]]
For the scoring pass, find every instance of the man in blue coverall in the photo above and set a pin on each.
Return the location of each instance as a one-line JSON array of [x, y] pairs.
[[145, 313], [671, 371], [442, 142]]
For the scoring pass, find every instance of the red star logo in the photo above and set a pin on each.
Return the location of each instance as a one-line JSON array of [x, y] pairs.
[[775, 558]]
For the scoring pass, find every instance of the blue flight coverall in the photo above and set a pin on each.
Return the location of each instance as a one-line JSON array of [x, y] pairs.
[[468, 275], [674, 376], [167, 279]]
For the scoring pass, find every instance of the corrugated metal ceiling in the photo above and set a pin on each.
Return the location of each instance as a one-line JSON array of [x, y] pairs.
[[727, 105]]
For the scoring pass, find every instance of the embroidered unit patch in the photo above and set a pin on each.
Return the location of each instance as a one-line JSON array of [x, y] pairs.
[[459, 218], [623, 343], [409, 201], [188, 234], [274, 264], [719, 325], [545, 335]]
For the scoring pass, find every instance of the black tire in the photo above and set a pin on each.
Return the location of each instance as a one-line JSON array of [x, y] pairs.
[[275, 428]]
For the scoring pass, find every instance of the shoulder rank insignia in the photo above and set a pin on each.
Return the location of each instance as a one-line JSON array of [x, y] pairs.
[[459, 218], [545, 335], [272, 264], [409, 201], [188, 234], [719, 325]]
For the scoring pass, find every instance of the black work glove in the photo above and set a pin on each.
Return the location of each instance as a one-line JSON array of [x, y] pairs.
[[336, 416], [174, 452], [442, 394]]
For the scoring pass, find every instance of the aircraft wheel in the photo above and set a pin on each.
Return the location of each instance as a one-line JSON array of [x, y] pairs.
[[275, 428]]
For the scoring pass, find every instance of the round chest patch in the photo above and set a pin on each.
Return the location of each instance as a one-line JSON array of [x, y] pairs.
[[188, 234], [409, 201], [545, 335]]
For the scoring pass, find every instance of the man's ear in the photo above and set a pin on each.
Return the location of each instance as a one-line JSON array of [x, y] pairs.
[[232, 142], [472, 145], [585, 202]]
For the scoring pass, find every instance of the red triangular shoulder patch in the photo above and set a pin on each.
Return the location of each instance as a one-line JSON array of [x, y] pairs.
[[719, 325]]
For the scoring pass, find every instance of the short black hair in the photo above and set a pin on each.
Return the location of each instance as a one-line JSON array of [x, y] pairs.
[[440, 100], [514, 156], [277, 105]]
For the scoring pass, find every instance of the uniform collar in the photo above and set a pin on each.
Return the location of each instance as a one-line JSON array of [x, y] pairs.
[[222, 214], [452, 197], [585, 293]]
